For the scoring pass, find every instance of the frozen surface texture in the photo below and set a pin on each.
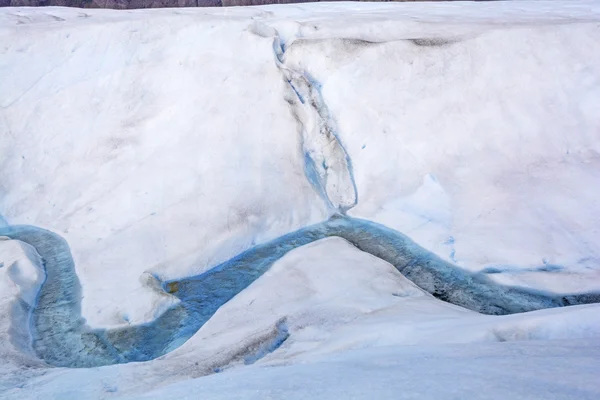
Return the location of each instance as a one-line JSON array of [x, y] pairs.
[[153, 146]]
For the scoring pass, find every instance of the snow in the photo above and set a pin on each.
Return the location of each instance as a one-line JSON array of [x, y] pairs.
[[139, 140], [344, 310], [160, 143], [138, 148], [21, 275], [524, 370], [515, 172], [23, 268]]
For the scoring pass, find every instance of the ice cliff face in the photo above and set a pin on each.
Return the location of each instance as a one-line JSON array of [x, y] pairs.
[[201, 190], [113, 126]]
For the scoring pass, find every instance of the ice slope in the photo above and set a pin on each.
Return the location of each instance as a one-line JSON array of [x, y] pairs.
[[21, 275], [61, 337], [528, 370], [165, 149], [480, 144], [473, 128], [162, 141], [337, 305]]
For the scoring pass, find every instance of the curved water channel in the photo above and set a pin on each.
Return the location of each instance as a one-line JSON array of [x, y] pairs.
[[61, 338]]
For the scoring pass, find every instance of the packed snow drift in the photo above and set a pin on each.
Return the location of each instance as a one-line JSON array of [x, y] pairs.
[[348, 187]]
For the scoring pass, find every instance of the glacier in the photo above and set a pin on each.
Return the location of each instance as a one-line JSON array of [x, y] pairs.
[[59, 337], [320, 184]]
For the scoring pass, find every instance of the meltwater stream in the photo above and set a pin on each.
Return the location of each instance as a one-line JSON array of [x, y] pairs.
[[61, 338]]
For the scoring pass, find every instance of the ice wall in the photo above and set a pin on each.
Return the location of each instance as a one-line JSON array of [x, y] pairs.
[[162, 142]]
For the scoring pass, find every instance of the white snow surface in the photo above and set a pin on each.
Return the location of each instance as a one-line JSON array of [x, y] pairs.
[[160, 141], [21, 275], [345, 311]]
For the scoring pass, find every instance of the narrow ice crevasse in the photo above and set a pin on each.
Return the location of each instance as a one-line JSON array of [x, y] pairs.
[[327, 164]]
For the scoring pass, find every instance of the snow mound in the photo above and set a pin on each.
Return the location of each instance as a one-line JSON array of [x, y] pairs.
[[164, 142], [341, 305], [160, 144], [320, 304], [21, 275]]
